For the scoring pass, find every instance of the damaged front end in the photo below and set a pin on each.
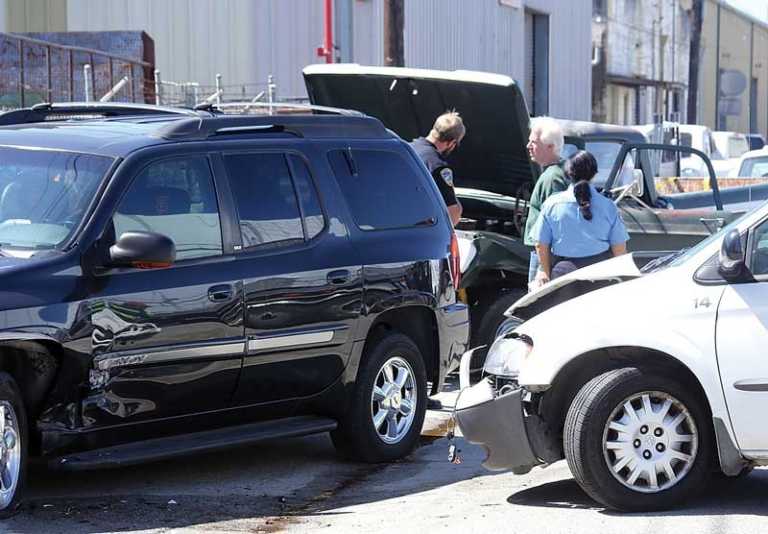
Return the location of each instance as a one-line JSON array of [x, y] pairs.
[[503, 416], [580, 282], [500, 416]]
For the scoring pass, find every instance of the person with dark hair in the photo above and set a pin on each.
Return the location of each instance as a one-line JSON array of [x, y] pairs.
[[579, 226]]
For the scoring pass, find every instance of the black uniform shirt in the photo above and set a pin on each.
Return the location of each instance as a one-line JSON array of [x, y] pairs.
[[439, 169]]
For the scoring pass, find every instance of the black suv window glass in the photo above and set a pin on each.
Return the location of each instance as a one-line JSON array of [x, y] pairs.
[[266, 199], [310, 203], [176, 198], [44, 194], [382, 189]]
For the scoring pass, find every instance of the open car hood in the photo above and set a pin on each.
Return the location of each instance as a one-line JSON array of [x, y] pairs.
[[493, 155], [577, 283]]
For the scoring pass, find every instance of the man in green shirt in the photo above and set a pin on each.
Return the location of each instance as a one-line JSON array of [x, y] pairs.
[[544, 146]]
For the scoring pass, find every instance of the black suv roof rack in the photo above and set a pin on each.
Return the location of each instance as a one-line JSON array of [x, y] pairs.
[[47, 112], [277, 108], [314, 126]]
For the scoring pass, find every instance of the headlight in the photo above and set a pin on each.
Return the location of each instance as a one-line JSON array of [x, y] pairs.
[[507, 354]]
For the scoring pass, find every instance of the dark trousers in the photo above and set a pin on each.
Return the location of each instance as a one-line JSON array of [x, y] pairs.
[[562, 266]]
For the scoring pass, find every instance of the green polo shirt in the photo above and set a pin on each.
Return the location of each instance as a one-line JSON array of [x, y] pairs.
[[551, 181]]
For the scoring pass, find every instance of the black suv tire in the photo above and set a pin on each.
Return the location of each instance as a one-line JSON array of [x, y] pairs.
[[599, 402], [9, 393], [357, 438]]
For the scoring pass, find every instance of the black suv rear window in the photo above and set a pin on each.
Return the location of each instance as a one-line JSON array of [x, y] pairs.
[[382, 189]]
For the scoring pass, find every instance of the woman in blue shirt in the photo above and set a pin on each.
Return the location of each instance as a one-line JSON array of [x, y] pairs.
[[579, 226]]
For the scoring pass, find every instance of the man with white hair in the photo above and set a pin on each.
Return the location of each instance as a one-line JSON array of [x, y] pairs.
[[544, 145]]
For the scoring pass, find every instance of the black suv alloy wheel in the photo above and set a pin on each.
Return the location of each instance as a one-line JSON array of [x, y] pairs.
[[388, 404]]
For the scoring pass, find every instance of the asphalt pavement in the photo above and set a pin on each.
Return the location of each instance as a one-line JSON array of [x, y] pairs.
[[300, 485]]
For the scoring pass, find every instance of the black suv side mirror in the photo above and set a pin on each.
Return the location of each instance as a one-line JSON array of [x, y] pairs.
[[143, 250], [731, 261]]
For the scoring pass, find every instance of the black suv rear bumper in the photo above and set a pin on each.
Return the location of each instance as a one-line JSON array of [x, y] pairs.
[[453, 325]]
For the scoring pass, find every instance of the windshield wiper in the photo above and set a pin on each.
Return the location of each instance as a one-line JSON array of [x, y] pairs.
[[658, 263]]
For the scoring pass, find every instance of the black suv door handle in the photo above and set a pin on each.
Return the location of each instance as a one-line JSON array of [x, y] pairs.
[[339, 277], [220, 293]]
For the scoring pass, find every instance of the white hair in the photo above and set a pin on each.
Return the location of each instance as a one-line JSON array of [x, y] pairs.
[[549, 132]]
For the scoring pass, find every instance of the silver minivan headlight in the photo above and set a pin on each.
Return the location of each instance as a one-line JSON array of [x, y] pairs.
[[506, 355]]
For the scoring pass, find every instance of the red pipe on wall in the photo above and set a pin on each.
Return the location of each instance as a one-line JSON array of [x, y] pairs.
[[326, 50]]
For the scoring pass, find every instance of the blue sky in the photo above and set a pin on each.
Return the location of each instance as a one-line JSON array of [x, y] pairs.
[[756, 8]]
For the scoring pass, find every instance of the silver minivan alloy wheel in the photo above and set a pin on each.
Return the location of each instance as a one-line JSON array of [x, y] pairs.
[[393, 400], [10, 454], [650, 442]]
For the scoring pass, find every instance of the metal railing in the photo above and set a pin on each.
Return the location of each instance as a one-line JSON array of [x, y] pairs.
[[35, 71]]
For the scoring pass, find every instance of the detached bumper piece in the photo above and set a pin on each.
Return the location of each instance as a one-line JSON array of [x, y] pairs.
[[499, 425]]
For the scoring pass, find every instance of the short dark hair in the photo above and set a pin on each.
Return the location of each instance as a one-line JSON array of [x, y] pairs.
[[581, 168]]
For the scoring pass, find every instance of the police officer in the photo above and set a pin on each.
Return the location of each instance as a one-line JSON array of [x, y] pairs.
[[444, 138]]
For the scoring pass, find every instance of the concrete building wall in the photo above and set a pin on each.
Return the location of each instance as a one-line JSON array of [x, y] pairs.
[[707, 101], [760, 71], [740, 51], [735, 61], [647, 48]]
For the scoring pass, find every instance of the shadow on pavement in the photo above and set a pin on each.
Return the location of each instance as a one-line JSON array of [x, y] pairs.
[[261, 488], [748, 495]]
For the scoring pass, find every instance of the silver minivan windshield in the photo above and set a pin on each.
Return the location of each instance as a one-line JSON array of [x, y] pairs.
[[44, 195]]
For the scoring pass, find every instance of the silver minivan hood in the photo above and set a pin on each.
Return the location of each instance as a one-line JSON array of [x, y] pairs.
[[571, 285]]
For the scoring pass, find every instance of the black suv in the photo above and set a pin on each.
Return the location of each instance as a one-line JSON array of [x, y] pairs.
[[178, 280]]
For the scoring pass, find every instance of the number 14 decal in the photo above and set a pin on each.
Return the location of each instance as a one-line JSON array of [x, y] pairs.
[[701, 303]]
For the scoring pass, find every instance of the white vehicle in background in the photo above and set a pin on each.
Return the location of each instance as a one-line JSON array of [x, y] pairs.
[[646, 382], [752, 164], [692, 136], [730, 146]]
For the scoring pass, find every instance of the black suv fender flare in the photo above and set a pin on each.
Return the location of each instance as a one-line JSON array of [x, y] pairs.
[[34, 360]]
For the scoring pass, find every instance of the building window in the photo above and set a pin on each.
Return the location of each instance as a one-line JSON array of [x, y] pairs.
[[600, 7], [537, 62]]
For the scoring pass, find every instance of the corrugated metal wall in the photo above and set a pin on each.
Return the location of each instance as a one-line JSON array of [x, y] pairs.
[[484, 35], [243, 40], [33, 15], [570, 70]]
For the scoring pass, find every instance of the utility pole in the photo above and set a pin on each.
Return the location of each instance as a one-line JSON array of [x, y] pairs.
[[394, 24], [694, 59]]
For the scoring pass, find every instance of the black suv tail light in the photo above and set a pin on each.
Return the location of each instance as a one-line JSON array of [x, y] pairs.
[[454, 261]]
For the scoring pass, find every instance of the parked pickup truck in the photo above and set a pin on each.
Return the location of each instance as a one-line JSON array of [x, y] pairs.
[[663, 208], [644, 397]]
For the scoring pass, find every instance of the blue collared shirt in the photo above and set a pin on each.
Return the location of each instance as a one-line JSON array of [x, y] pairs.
[[562, 226]]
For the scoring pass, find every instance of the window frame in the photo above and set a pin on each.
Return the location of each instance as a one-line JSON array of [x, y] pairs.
[[750, 250], [223, 207], [408, 161], [287, 243]]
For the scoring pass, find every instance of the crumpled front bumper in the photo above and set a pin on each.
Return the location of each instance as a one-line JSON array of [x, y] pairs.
[[511, 438], [498, 425]]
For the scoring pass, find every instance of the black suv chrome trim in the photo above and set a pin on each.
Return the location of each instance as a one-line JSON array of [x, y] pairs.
[[122, 359]]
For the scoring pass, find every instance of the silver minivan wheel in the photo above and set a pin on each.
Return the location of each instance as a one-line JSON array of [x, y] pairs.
[[393, 400], [10, 454], [650, 442]]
